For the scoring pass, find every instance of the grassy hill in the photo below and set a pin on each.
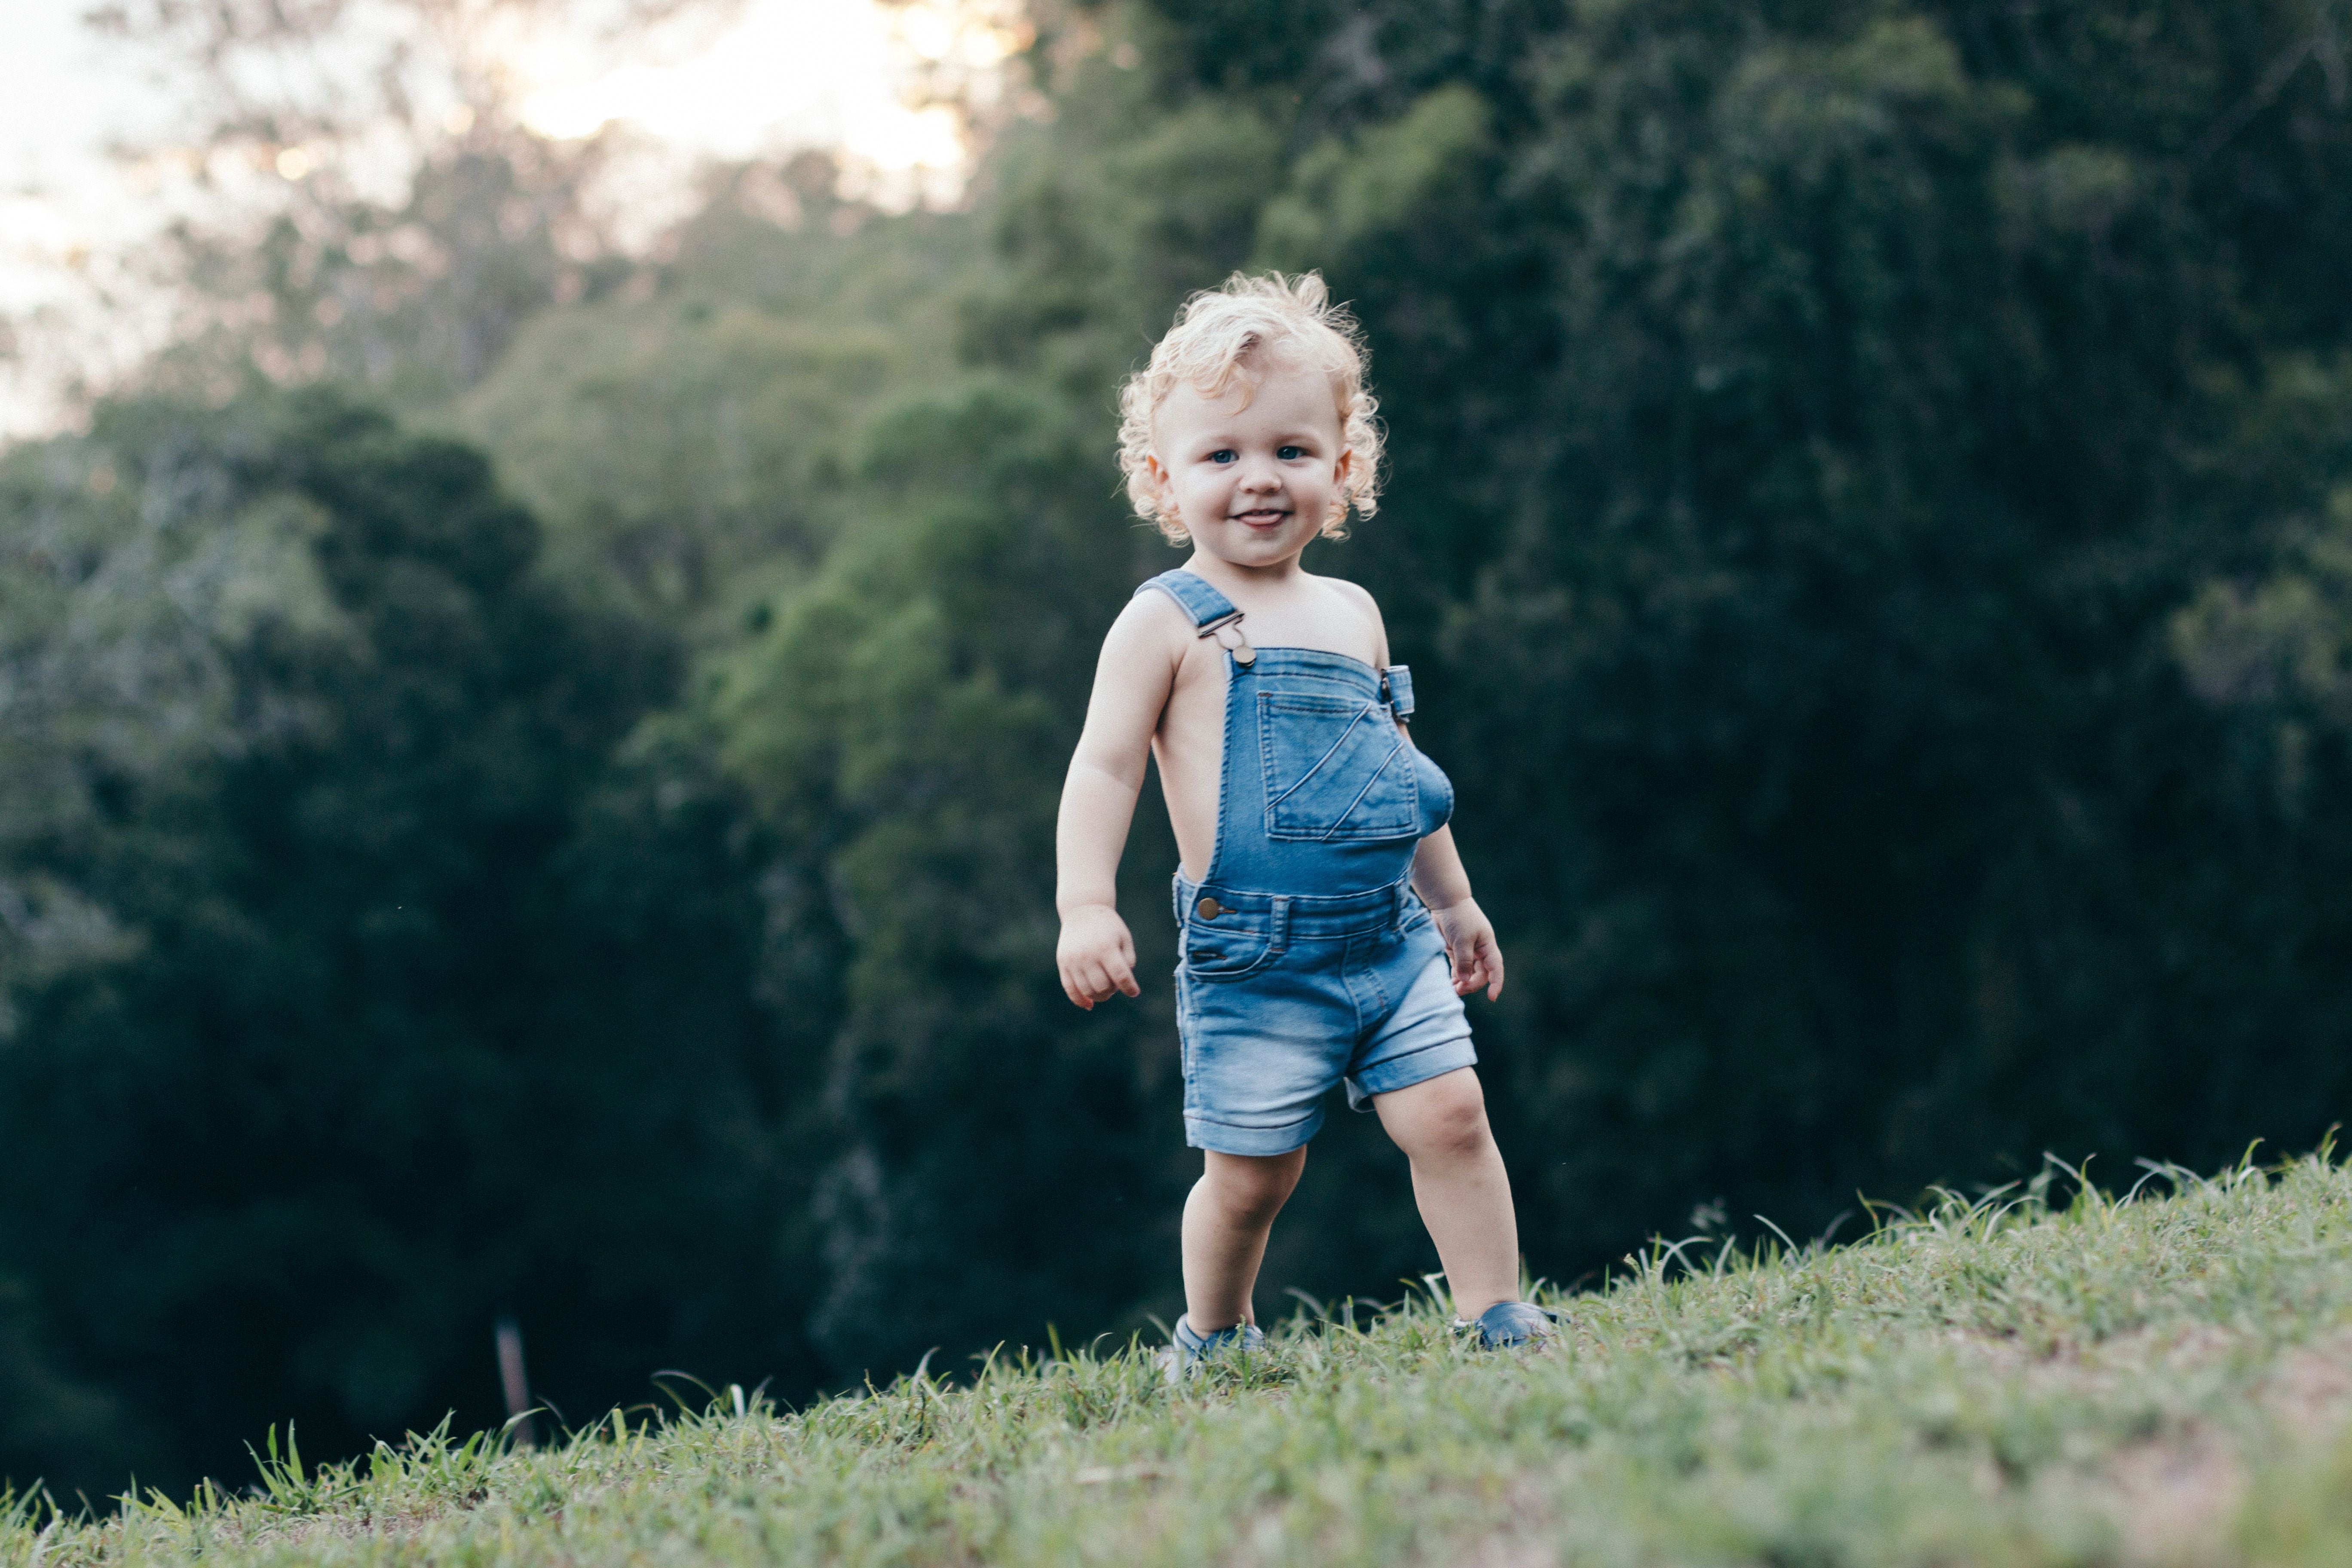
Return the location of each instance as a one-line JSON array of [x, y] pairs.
[[2161, 1378]]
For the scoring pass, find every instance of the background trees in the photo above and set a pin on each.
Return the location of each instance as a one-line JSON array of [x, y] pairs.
[[1872, 519], [419, 996]]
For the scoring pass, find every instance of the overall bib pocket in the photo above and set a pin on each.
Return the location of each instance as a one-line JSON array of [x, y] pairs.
[[1336, 769]]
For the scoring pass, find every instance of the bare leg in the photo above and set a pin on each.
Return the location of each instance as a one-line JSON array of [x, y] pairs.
[[1226, 1219], [1458, 1180]]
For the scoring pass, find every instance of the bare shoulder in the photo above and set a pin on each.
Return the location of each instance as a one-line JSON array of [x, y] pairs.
[[1141, 655], [1359, 599], [1153, 628], [1356, 593]]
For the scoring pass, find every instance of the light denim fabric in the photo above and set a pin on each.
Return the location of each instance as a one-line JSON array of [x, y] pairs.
[[1307, 961]]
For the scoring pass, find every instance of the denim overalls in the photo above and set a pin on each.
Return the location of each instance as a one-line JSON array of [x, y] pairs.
[[1306, 960]]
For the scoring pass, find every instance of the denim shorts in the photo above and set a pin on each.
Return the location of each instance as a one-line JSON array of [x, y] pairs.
[[1277, 999]]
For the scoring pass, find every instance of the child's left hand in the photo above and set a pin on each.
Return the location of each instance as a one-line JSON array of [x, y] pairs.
[[1470, 943]]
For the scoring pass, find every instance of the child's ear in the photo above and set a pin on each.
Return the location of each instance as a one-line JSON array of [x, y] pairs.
[[1163, 492]]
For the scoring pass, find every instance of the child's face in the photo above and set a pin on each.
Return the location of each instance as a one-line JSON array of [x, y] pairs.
[[1254, 484]]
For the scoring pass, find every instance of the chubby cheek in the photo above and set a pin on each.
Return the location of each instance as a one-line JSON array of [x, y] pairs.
[[1314, 498], [1203, 495]]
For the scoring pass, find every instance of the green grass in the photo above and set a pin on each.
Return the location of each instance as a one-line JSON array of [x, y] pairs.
[[2163, 1378]]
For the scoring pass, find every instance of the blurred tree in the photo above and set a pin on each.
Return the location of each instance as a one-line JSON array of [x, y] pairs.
[[70, 1436], [690, 450], [415, 1012], [369, 204], [904, 723], [1810, 418]]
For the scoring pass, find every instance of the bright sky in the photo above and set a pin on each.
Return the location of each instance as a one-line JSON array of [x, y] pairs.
[[777, 74]]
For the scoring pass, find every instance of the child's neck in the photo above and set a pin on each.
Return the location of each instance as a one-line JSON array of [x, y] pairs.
[[1224, 574]]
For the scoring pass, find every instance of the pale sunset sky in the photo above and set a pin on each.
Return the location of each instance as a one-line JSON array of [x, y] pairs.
[[762, 76]]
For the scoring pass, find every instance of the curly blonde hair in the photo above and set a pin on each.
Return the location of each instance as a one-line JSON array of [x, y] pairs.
[[1216, 334]]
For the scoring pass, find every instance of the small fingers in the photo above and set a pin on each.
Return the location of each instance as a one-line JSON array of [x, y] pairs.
[[1121, 977], [1491, 957], [1465, 960], [1088, 980]]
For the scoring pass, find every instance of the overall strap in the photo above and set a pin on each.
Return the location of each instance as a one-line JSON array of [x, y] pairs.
[[1190, 589], [1211, 612], [1396, 690]]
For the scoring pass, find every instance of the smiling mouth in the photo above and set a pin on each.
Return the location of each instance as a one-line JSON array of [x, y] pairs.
[[1262, 517]]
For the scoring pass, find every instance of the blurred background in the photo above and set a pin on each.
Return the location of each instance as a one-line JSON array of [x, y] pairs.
[[551, 553]]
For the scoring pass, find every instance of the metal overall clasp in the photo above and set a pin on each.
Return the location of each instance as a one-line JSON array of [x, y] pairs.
[[1227, 630]]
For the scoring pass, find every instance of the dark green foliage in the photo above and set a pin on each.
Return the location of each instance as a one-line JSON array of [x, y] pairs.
[[905, 722], [687, 451], [1346, 62], [414, 1021], [1857, 822], [50, 1416]]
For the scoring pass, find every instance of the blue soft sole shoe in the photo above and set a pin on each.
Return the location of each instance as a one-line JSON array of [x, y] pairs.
[[1507, 1325], [1190, 1347]]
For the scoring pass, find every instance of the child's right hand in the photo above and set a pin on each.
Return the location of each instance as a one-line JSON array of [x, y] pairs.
[[1096, 955]]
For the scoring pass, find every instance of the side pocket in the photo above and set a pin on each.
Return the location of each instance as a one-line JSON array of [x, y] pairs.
[[1212, 955]]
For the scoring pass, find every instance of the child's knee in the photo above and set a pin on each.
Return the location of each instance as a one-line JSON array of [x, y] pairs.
[[1251, 1188], [1440, 1118]]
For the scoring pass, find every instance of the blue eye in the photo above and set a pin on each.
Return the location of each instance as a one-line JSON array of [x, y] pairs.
[[1222, 454], [1290, 454]]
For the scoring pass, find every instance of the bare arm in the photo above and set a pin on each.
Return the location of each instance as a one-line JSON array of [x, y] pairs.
[[1133, 678], [1444, 886], [1437, 872]]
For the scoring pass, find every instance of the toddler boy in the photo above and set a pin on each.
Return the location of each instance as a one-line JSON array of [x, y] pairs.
[[1328, 930]]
